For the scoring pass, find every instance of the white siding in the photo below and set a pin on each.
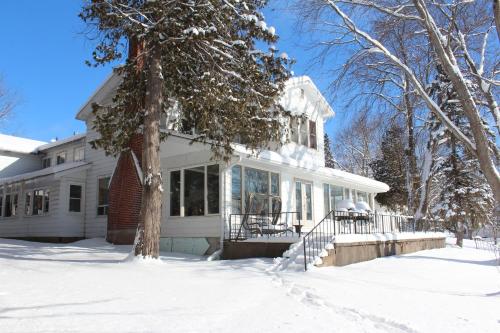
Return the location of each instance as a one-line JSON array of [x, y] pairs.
[[102, 165], [12, 164]]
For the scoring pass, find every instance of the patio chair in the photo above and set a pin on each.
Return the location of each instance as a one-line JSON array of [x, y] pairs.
[[250, 225], [274, 227]]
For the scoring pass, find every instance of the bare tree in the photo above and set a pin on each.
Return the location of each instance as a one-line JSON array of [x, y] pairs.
[[7, 102], [356, 144], [446, 27]]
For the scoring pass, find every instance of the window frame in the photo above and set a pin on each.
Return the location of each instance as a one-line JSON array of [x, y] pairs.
[[78, 149], [65, 157], [342, 188], [46, 158], [182, 211], [243, 187], [82, 206], [31, 192], [97, 197]]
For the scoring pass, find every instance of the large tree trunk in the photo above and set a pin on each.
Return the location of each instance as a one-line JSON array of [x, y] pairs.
[[460, 234], [448, 61], [150, 217], [411, 169]]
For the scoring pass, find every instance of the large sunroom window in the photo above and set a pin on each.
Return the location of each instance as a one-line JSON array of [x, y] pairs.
[[332, 195], [263, 184], [195, 191]]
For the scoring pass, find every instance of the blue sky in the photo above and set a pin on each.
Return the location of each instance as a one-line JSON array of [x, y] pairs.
[[42, 62]]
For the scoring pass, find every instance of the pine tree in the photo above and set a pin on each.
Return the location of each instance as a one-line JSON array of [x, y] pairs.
[[465, 200], [329, 160], [195, 61], [390, 168]]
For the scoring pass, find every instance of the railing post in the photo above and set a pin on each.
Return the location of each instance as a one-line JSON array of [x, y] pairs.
[[305, 255]]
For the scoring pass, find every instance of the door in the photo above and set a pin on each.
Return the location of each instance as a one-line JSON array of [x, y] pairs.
[[303, 201]]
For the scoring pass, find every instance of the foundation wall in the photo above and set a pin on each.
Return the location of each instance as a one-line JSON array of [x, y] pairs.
[[350, 253]]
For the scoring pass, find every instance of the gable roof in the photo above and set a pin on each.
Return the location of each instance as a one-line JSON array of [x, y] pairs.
[[17, 144], [106, 90], [56, 143], [61, 169], [306, 83]]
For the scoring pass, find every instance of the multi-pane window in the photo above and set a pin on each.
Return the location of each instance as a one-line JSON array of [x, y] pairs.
[[264, 185], [37, 202], [46, 162], [332, 195], [10, 205], [75, 198], [46, 201], [27, 203], [61, 157], [103, 196], [195, 190], [303, 132], [79, 154], [312, 135], [363, 196]]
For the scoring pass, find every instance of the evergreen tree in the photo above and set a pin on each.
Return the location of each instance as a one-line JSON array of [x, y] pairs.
[[329, 160], [465, 200], [390, 168], [195, 61]]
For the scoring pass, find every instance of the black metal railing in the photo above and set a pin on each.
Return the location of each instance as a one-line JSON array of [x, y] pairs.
[[344, 222], [244, 226]]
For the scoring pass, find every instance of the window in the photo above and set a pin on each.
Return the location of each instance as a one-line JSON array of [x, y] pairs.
[[79, 154], [362, 196], [1, 202], [294, 130], [332, 195], [37, 202], [27, 205], [213, 189], [175, 193], [46, 162], [312, 135], [200, 191], [236, 202], [265, 184], [61, 157], [303, 132], [46, 201], [75, 198], [8, 206], [103, 196], [194, 201]]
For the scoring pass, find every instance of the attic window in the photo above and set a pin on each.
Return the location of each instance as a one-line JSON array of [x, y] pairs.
[[302, 93]]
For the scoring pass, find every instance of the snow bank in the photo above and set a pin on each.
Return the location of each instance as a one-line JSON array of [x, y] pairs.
[[353, 238]]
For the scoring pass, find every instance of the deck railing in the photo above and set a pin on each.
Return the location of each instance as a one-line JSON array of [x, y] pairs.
[[342, 222], [246, 226]]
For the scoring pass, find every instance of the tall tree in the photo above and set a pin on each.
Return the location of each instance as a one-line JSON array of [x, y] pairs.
[[329, 160], [390, 167], [199, 61], [459, 42]]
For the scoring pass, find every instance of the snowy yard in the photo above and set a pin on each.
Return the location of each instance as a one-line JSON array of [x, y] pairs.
[[88, 287]]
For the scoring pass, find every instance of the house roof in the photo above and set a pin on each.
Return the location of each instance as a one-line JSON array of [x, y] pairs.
[[57, 169], [307, 83], [56, 143], [17, 144]]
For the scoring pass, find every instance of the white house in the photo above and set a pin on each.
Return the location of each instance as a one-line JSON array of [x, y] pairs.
[[61, 190]]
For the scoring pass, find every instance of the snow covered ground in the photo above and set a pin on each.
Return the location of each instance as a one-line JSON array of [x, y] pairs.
[[88, 287]]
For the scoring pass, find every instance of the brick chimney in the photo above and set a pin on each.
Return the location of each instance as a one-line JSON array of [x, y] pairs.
[[125, 190]]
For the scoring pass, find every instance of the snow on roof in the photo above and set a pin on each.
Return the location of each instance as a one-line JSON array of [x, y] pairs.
[[356, 179], [61, 142], [306, 81], [18, 145], [44, 172]]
